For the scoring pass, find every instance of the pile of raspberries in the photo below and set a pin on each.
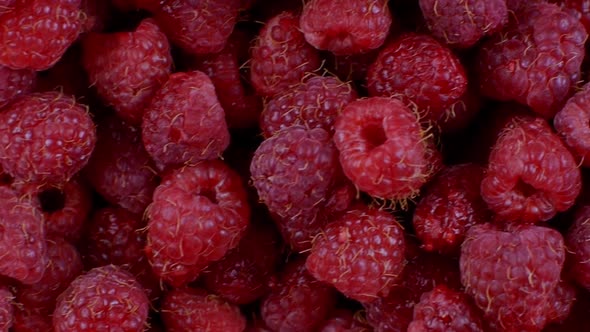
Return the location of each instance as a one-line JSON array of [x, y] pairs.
[[294, 166]]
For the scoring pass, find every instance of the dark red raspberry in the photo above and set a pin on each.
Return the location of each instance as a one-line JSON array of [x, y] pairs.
[[531, 176], [190, 309], [6, 309], [185, 122], [98, 14], [14, 83], [298, 302], [346, 27], [463, 23], [26, 321], [343, 320], [127, 68], [315, 103], [383, 149], [105, 298], [197, 215], [281, 57], [528, 64], [572, 124], [24, 44], [512, 275], [449, 206], [578, 244], [198, 27], [45, 138]]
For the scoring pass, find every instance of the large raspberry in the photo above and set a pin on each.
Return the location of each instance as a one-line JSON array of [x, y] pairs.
[[14, 83], [578, 244], [572, 124], [531, 176], [6, 309], [529, 64]]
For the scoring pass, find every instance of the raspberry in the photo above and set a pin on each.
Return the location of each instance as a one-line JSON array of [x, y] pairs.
[[25, 321], [297, 302], [343, 320], [582, 8], [45, 138], [528, 64], [383, 150], [531, 176], [571, 123], [190, 309], [577, 320], [127, 68], [512, 275], [361, 254], [346, 27], [281, 57], [105, 298], [578, 244], [6, 309], [15, 83], [561, 302], [314, 104], [450, 205], [197, 215], [463, 23], [185, 123]]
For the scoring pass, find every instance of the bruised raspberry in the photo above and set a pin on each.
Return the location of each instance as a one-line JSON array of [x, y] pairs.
[[15, 83], [572, 124], [6, 309], [578, 244]]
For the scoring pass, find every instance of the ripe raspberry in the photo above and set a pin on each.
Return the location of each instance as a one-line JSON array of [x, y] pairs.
[[578, 244], [512, 275], [127, 68], [281, 57], [297, 302], [463, 23], [45, 138], [185, 123], [190, 309], [197, 215], [531, 176], [105, 298], [450, 205], [6, 309], [343, 320], [571, 123], [528, 64], [36, 33], [346, 27], [314, 104], [15, 83], [383, 150]]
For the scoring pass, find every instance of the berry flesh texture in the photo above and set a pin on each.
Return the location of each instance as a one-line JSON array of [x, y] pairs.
[[6, 309], [127, 68], [315, 103], [105, 298], [463, 23], [383, 149], [45, 138], [530, 176], [36, 33], [191, 309], [281, 57], [527, 63], [361, 254], [578, 244], [184, 122], [198, 214], [15, 83], [360, 26], [571, 123], [512, 275]]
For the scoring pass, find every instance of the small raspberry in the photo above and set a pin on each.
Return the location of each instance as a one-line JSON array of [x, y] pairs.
[[127, 68], [578, 244], [198, 214], [105, 298], [571, 123], [6, 309], [315, 103], [281, 57], [45, 138], [190, 309], [346, 27], [15, 83], [343, 320], [185, 122], [531, 176], [383, 149]]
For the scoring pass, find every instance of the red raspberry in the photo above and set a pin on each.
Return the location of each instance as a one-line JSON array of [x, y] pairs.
[[463, 23], [346, 27], [190, 309], [531, 176], [45, 138], [314, 104], [197, 215], [185, 123], [281, 57], [361, 254], [450, 205], [344, 321], [14, 83], [297, 302], [528, 64], [383, 149], [512, 275], [127, 68], [105, 298], [571, 123], [198, 27], [6, 309], [578, 244]]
